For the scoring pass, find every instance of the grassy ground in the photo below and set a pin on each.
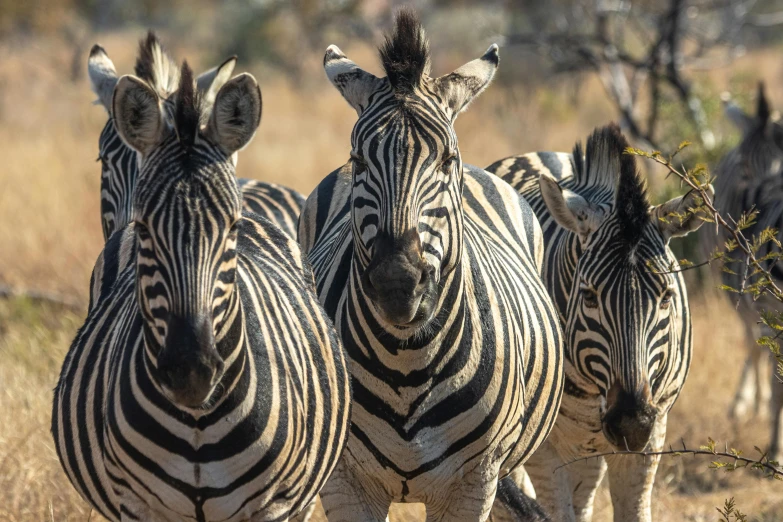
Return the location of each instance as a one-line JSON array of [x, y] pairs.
[[34, 338], [50, 236]]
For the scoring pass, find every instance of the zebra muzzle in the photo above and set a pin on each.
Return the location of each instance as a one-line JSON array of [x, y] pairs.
[[629, 419], [399, 282], [189, 366]]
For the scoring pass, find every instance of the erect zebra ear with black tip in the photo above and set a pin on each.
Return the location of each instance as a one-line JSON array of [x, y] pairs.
[[209, 82], [459, 88], [103, 76], [138, 115], [745, 122], [763, 111], [665, 215], [236, 113], [355, 84], [570, 210]]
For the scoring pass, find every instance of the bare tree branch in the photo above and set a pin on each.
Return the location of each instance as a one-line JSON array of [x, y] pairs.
[[596, 43]]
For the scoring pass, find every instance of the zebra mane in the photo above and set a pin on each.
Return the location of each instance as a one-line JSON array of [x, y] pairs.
[[605, 166], [405, 54], [156, 67], [187, 112], [630, 202]]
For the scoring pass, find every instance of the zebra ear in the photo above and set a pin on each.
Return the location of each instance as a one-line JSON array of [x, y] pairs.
[[570, 210], [103, 76], [745, 122], [209, 82], [666, 217], [459, 88], [355, 84], [236, 114], [138, 115]]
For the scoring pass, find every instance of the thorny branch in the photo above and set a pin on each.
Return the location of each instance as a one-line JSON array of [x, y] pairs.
[[736, 460], [742, 243]]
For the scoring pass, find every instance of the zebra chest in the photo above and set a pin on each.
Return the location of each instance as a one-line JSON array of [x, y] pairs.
[[415, 421], [175, 466]]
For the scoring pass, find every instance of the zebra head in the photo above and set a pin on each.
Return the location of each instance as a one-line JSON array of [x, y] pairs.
[[186, 210], [758, 155], [119, 168], [625, 306], [407, 172]]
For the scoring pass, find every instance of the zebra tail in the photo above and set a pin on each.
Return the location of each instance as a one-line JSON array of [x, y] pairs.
[[520, 506]]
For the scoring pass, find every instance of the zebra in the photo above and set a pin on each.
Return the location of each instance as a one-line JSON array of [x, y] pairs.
[[750, 176], [119, 169], [430, 270], [625, 318], [207, 383]]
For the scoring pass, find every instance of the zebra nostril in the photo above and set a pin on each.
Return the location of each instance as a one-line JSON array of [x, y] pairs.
[[423, 278], [610, 433]]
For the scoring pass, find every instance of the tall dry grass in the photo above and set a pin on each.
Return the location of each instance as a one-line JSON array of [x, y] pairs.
[[50, 236]]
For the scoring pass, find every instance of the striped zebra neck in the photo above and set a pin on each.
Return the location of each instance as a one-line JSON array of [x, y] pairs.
[[561, 259], [119, 172]]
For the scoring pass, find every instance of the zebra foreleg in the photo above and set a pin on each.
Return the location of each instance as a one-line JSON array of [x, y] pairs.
[[776, 417], [306, 513], [346, 498], [631, 479], [470, 500], [753, 392], [584, 477], [566, 493]]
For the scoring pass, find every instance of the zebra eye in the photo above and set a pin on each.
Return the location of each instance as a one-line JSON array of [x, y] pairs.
[[141, 231], [666, 300], [589, 297], [358, 161], [448, 164]]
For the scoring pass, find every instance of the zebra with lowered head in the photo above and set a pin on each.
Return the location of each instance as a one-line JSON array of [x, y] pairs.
[[430, 269], [119, 169], [750, 176], [208, 383], [607, 265]]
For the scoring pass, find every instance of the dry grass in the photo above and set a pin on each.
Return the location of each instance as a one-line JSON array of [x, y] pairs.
[[50, 235]]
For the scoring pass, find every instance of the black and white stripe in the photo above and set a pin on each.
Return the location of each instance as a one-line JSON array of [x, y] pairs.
[[625, 315], [431, 272], [750, 177], [207, 383], [119, 169]]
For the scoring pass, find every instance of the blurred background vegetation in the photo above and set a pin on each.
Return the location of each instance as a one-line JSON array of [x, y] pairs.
[[657, 66]]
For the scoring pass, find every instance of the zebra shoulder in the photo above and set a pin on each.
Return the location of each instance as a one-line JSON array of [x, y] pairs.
[[326, 204], [262, 242], [492, 201]]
